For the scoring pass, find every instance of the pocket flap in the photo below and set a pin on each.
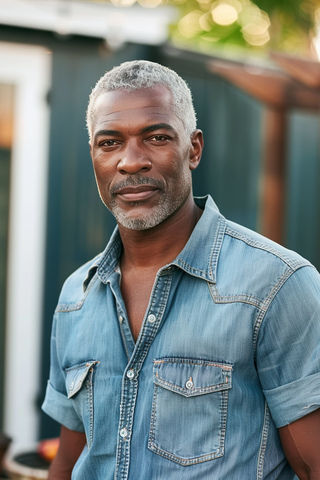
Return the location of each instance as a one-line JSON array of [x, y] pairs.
[[76, 375], [190, 377]]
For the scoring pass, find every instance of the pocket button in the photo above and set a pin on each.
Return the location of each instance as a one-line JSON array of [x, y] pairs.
[[189, 384]]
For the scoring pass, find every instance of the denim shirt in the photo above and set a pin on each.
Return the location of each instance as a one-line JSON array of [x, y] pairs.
[[228, 352]]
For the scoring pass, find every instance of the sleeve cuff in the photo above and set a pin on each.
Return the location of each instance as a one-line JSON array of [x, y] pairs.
[[57, 406], [290, 402]]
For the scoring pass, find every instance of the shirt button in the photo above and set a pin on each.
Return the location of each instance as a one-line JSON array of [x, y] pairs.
[[121, 319], [123, 433], [130, 374], [151, 318], [189, 384]]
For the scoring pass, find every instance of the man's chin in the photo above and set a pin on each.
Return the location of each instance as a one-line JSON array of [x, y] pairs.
[[142, 221], [137, 223]]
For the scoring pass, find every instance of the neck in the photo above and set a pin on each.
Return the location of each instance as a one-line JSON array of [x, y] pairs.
[[158, 246]]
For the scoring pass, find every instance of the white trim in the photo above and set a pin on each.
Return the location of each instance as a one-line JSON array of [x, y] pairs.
[[28, 68], [116, 24]]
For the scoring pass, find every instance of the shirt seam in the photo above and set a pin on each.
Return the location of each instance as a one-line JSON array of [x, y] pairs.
[[293, 264], [268, 302]]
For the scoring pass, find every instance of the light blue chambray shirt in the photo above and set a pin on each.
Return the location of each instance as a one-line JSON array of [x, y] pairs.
[[229, 350]]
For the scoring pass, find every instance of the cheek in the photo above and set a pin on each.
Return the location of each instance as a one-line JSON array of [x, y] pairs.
[[102, 180], [102, 171], [179, 170]]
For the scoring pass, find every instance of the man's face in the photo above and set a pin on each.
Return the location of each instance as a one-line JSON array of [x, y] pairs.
[[141, 156]]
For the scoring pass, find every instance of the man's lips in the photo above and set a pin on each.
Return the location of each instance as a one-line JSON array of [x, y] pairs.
[[135, 193]]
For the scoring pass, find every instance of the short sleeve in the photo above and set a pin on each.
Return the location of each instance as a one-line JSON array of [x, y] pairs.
[[56, 403], [288, 348]]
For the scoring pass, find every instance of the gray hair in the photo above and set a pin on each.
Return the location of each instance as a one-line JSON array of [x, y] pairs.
[[138, 74]]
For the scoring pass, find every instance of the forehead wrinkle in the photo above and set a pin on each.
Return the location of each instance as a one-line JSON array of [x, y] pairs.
[[131, 111]]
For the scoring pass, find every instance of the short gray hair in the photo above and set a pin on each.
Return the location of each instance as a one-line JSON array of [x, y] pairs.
[[138, 74]]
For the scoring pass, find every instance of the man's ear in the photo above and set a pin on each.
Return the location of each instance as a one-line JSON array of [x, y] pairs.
[[196, 149]]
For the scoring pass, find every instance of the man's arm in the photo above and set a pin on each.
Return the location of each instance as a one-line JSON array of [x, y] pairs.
[[70, 448], [301, 444]]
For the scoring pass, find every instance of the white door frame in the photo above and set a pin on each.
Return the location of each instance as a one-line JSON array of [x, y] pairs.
[[28, 68]]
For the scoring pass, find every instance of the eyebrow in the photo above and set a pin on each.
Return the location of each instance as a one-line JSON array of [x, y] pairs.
[[148, 129], [106, 132]]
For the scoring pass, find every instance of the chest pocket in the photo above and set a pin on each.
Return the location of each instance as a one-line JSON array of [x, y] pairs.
[[79, 384], [189, 410]]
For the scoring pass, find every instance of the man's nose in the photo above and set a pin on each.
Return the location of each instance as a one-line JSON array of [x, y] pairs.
[[133, 159]]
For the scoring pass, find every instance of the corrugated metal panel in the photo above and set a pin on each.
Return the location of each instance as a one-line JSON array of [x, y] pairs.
[[303, 194]]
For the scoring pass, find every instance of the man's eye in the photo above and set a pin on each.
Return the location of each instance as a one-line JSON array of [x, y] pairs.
[[159, 138], [108, 143]]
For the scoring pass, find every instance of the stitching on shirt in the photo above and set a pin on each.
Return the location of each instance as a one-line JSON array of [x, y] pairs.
[[152, 445], [216, 247], [292, 263], [239, 298], [112, 251], [263, 444], [263, 311], [199, 390], [90, 403], [188, 361], [189, 269], [192, 393]]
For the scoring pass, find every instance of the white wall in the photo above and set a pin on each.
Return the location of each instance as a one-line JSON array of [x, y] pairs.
[[29, 69]]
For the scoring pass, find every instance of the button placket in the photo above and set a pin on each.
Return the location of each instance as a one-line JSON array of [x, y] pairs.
[[158, 300]]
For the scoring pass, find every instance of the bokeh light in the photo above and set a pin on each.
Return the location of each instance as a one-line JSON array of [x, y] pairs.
[[150, 3], [189, 25], [255, 25], [224, 14], [205, 22]]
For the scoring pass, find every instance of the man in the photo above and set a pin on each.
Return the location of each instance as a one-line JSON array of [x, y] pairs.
[[188, 349]]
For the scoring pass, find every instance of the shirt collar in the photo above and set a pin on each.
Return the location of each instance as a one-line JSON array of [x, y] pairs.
[[200, 255], [198, 258]]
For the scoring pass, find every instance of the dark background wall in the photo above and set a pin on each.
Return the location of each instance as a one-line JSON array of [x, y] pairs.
[[303, 180], [78, 225]]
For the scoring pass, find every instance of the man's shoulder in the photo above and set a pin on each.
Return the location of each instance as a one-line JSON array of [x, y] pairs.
[[254, 244], [250, 267]]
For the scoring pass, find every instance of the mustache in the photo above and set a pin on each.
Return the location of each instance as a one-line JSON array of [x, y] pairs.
[[135, 181]]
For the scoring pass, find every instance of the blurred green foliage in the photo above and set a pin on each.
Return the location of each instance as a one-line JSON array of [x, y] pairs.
[[259, 25]]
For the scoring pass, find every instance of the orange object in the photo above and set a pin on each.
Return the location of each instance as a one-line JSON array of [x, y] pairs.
[[47, 449]]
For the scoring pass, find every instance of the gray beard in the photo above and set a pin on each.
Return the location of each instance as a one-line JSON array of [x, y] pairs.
[[158, 215], [165, 208]]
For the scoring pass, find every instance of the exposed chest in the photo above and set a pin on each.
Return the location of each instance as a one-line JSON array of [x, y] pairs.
[[136, 290]]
